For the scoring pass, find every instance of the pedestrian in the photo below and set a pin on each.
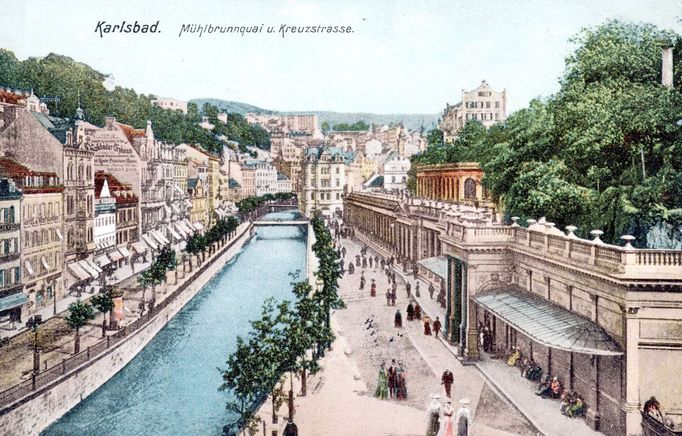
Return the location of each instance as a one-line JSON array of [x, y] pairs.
[[408, 289], [401, 379], [362, 281], [370, 262], [427, 326], [410, 312], [416, 290], [431, 290], [351, 268], [446, 380], [392, 385], [381, 391], [433, 414], [388, 297], [343, 251], [393, 298], [357, 260], [437, 326], [398, 319], [376, 260], [463, 417], [383, 263], [417, 311], [447, 425], [341, 264]]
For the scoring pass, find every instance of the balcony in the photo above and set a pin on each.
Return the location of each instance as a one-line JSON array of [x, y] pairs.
[[8, 227]]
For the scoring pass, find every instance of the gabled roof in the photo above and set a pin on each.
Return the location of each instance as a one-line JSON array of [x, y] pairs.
[[122, 192], [130, 132]]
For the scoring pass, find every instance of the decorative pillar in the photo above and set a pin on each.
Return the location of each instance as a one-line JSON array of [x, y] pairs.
[[454, 310], [631, 402], [592, 397], [470, 314]]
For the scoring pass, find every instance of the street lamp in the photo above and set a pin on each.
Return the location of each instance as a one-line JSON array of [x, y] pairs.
[[33, 323]]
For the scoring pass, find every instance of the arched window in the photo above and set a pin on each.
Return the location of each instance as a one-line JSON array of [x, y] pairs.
[[469, 188], [89, 172], [69, 170], [80, 172], [11, 214]]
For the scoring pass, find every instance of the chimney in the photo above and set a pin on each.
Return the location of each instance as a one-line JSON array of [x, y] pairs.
[[667, 67], [9, 114]]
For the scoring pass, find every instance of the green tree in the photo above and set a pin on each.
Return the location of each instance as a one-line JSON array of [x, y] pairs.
[[104, 303], [79, 315]]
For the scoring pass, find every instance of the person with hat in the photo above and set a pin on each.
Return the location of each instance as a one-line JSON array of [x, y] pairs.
[[463, 417], [433, 416], [447, 425]]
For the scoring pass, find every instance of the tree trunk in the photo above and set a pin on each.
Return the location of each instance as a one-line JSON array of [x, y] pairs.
[[104, 324], [77, 345], [304, 383], [274, 412]]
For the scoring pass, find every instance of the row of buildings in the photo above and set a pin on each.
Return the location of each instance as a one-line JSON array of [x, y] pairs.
[[79, 200]]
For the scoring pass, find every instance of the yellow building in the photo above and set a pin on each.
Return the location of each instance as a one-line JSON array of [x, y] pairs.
[[41, 226], [199, 198]]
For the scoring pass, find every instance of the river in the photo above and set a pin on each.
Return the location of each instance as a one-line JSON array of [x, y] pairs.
[[170, 387]]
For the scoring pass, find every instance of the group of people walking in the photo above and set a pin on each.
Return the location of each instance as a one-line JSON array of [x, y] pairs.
[[392, 383], [444, 421]]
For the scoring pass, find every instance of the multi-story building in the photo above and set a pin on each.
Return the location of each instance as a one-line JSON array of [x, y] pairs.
[[248, 182], [126, 203], [79, 193], [395, 171], [265, 178], [199, 198], [297, 123], [13, 301], [171, 104], [482, 104], [105, 219], [323, 181], [41, 227], [283, 183]]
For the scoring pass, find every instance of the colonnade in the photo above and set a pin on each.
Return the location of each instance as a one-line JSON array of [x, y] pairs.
[[438, 187]]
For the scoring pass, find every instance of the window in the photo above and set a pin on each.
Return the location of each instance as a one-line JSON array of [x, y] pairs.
[[497, 115], [17, 274], [497, 105]]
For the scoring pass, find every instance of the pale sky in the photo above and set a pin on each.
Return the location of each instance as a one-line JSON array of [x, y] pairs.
[[403, 56]]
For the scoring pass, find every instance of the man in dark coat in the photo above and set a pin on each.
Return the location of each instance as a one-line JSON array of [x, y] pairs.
[[392, 380], [437, 326], [446, 380]]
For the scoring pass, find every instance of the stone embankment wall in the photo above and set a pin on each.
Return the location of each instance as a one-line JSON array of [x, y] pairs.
[[32, 414]]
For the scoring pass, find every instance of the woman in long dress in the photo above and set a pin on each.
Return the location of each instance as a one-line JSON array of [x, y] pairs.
[[402, 382], [447, 423], [427, 326], [382, 383], [433, 413]]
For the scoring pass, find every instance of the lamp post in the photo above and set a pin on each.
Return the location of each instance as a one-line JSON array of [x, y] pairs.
[[33, 323]]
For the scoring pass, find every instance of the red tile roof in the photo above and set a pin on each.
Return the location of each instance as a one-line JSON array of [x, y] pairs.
[[115, 187], [18, 172], [131, 132]]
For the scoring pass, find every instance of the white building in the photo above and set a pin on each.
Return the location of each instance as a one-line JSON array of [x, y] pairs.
[[171, 103], [482, 104], [283, 183], [395, 172], [324, 180], [104, 230]]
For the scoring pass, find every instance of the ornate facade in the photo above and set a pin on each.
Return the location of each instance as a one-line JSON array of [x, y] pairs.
[[455, 182], [482, 104]]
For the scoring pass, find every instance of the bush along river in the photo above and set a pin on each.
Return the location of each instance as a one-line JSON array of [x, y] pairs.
[[170, 387]]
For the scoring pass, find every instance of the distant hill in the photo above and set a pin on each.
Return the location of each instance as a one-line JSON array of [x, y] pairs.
[[411, 121]]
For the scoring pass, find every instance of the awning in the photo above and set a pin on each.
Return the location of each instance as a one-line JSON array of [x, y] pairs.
[[12, 301], [89, 267], [150, 241], [197, 225], [94, 266], [124, 251], [159, 237], [78, 272], [168, 210], [437, 265], [59, 235], [188, 203], [174, 233], [180, 230], [45, 264], [115, 256], [102, 261], [139, 247], [187, 230], [547, 323], [29, 268], [175, 208]]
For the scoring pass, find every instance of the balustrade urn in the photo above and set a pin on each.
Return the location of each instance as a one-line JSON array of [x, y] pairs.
[[531, 221], [571, 232], [515, 221], [597, 234], [628, 241]]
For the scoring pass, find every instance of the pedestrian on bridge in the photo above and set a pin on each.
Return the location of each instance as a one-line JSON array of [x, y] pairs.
[[437, 326]]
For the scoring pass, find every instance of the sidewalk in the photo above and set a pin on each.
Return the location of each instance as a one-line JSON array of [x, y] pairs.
[[544, 414]]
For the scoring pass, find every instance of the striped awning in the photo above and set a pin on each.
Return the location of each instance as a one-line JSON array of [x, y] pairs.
[[78, 272], [124, 251], [139, 247], [547, 323], [150, 241], [174, 233], [180, 230], [29, 268], [197, 225], [188, 230], [12, 301], [159, 237], [90, 267], [114, 255]]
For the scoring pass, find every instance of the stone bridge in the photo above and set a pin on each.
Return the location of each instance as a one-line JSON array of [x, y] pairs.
[[605, 319]]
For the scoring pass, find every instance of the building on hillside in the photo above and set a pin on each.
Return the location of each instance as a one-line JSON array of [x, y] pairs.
[[482, 104], [395, 172], [323, 181], [13, 301], [248, 174], [265, 177], [42, 254], [286, 124], [199, 198], [171, 104], [283, 183], [455, 182]]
